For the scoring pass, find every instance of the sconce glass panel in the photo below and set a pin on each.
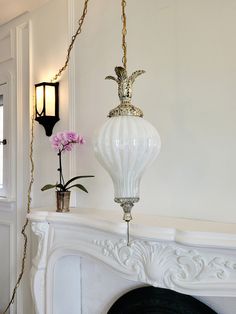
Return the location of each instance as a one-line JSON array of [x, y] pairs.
[[39, 99], [50, 99]]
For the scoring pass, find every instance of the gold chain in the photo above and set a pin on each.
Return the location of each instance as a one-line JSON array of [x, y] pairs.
[[78, 31], [124, 33], [23, 230]]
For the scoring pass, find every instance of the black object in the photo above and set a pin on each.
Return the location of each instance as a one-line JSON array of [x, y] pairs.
[[3, 142], [47, 121], [150, 300]]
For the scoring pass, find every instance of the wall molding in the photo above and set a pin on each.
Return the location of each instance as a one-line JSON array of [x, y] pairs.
[[12, 258], [7, 205], [7, 77], [7, 41], [22, 132], [72, 92]]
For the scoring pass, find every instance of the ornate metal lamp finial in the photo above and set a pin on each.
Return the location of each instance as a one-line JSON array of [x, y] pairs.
[[125, 84]]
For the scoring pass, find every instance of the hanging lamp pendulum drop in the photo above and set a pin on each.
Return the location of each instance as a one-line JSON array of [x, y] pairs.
[[126, 144]]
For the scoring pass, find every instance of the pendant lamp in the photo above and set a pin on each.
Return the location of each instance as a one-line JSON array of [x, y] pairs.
[[126, 144]]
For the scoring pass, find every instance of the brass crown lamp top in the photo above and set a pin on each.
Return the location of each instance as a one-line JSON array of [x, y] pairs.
[[125, 84]]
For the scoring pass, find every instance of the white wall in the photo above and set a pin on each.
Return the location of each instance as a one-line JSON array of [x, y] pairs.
[[188, 93], [49, 45]]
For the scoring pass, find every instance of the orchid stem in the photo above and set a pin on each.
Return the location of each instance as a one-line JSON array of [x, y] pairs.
[[62, 182]]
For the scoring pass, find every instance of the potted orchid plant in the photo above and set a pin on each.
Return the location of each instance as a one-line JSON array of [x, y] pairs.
[[64, 142]]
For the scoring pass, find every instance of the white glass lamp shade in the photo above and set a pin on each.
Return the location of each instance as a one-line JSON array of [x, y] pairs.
[[125, 146]]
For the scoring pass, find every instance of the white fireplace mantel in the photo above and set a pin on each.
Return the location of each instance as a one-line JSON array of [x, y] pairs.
[[189, 256]]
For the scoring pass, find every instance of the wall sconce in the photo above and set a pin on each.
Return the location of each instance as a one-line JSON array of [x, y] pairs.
[[47, 105]]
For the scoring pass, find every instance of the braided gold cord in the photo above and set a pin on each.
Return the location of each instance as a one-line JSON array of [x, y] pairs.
[[78, 31], [23, 230], [124, 33]]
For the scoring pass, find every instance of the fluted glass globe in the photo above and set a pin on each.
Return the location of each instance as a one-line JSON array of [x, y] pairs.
[[125, 146]]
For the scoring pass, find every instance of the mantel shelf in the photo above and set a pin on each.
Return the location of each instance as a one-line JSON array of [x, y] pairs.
[[180, 230]]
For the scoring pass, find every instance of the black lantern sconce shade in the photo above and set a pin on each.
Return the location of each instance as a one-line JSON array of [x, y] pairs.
[[47, 105]]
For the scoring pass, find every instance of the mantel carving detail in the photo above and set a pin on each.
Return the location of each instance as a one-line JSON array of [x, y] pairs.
[[195, 270], [170, 266]]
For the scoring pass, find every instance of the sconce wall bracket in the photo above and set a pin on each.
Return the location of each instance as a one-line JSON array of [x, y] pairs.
[[48, 123]]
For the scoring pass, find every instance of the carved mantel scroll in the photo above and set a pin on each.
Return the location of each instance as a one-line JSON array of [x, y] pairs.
[[171, 266], [197, 269]]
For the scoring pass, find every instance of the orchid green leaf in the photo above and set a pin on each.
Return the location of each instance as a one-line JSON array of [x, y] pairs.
[[79, 186], [48, 187], [75, 178]]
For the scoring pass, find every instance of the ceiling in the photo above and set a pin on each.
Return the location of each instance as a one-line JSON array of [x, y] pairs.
[[9, 9]]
